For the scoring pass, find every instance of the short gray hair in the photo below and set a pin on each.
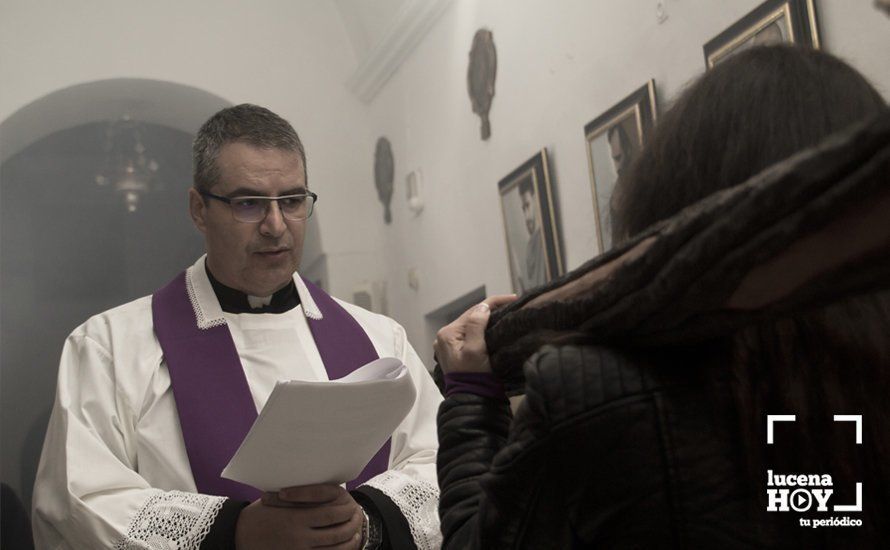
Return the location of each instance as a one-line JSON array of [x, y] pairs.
[[246, 123]]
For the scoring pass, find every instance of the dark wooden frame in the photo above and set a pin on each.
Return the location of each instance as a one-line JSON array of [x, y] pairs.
[[538, 169], [643, 106], [802, 20]]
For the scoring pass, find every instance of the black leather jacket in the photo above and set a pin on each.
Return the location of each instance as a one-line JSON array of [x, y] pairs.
[[608, 450], [632, 450]]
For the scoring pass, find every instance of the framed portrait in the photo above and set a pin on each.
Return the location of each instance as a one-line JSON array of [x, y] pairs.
[[613, 140], [533, 246], [772, 22]]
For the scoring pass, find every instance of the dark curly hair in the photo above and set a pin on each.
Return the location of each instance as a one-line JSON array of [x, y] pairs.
[[749, 112]]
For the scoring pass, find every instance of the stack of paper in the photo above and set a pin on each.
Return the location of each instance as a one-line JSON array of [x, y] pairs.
[[323, 432]]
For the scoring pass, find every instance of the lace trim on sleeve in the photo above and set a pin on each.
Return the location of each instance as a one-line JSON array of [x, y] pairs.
[[172, 521], [419, 503]]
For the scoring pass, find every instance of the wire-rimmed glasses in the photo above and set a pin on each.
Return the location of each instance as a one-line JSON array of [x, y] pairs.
[[254, 209]]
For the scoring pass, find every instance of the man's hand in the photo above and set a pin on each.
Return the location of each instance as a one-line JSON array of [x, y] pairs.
[[460, 346], [312, 516]]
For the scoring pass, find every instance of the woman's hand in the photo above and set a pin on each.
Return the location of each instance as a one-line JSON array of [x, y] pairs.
[[460, 346]]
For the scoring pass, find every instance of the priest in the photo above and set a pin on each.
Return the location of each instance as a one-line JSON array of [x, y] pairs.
[[155, 396]]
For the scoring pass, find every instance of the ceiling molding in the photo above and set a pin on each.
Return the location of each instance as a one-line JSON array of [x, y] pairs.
[[413, 20]]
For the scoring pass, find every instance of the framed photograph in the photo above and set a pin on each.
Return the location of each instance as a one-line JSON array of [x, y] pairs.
[[773, 22], [533, 244], [613, 140]]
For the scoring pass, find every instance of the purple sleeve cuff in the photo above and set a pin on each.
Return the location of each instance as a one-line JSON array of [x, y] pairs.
[[484, 384]]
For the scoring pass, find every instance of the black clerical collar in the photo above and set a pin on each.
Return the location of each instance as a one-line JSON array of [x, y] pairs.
[[235, 301]]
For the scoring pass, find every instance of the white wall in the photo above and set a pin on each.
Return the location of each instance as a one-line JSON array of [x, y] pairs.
[[289, 56], [560, 64]]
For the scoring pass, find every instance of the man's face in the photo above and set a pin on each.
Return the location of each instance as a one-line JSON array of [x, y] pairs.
[[256, 258], [528, 211], [619, 155]]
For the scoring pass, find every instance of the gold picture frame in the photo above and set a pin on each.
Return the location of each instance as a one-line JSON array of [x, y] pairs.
[[772, 22], [613, 139]]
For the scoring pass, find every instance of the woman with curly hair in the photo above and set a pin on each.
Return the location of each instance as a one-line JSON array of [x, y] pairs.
[[753, 280]]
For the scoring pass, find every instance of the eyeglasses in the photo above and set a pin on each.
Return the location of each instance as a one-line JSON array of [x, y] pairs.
[[254, 209]]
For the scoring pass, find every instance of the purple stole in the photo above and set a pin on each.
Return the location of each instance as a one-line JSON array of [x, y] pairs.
[[212, 397]]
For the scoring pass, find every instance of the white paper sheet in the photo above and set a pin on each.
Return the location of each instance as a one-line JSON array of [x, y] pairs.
[[323, 432]]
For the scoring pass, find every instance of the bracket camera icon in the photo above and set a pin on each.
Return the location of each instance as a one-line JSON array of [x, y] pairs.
[[771, 419]]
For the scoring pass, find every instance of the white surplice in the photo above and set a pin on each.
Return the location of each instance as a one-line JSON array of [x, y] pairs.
[[114, 470]]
